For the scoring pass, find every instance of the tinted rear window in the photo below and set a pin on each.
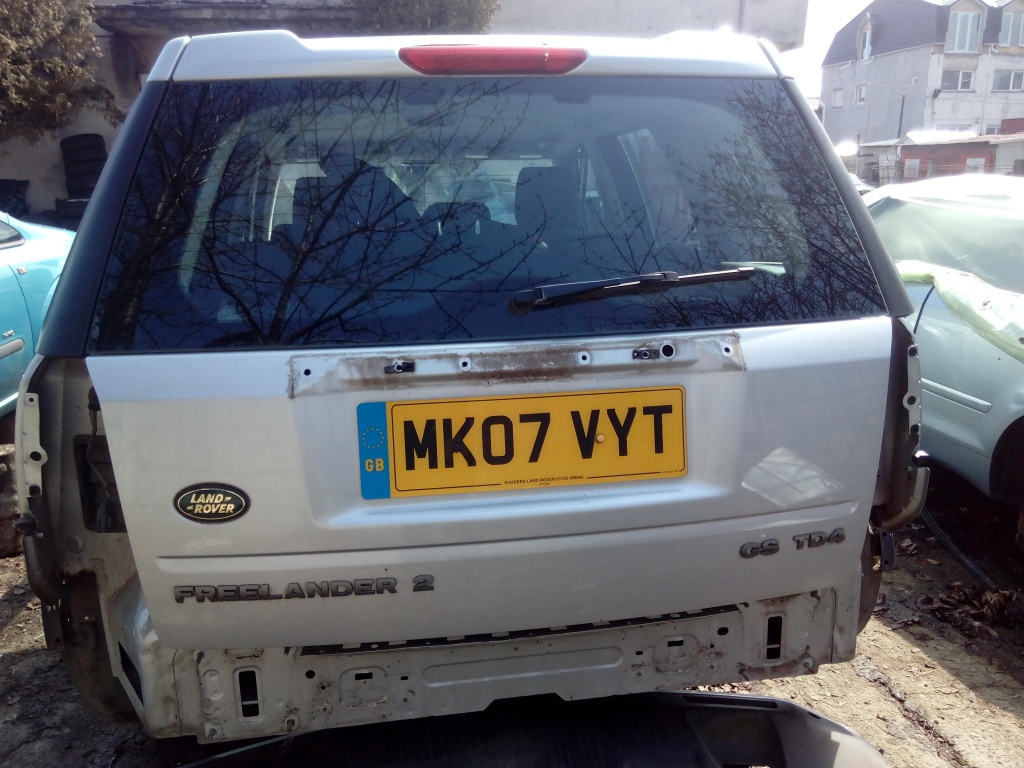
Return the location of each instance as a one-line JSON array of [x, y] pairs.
[[356, 213]]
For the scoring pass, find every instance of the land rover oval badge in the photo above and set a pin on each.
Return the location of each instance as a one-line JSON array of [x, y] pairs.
[[210, 503]]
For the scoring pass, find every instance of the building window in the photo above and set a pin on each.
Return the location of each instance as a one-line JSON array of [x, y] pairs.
[[1006, 31], [966, 28], [911, 169], [975, 164], [1008, 80], [957, 79], [864, 42], [837, 97], [862, 94]]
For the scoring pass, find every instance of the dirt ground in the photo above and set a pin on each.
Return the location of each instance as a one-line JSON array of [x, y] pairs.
[[937, 680]]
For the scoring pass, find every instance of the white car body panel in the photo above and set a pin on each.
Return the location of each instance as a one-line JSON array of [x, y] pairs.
[[973, 390], [282, 54], [491, 553]]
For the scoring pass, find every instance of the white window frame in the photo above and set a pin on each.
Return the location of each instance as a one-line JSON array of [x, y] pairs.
[[975, 165], [837, 98], [1020, 37], [960, 86], [862, 94], [864, 43], [1006, 31], [966, 25], [1016, 80]]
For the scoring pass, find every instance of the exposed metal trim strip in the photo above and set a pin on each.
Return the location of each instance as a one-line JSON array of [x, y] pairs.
[[956, 396], [330, 650]]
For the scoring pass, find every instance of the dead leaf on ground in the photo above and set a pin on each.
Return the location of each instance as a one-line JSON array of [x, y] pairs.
[[974, 611]]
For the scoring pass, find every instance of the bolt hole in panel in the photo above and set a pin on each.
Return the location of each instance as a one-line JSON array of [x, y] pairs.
[[131, 672], [364, 687], [248, 688], [700, 643], [326, 373], [773, 644]]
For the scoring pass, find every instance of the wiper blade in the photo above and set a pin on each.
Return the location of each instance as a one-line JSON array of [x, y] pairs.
[[560, 294]]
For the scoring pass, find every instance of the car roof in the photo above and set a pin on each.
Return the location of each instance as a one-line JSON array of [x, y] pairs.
[[282, 54]]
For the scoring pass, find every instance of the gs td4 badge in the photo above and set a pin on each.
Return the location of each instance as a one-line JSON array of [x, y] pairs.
[[211, 503]]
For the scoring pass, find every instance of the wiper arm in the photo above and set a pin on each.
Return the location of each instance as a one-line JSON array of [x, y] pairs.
[[560, 294]]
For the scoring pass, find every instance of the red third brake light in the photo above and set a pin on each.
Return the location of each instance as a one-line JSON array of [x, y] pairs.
[[491, 60]]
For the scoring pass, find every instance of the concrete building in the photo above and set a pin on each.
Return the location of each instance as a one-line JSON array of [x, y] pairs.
[[954, 66], [779, 21], [132, 32]]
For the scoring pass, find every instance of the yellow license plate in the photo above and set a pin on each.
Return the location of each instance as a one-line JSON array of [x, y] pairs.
[[410, 448]]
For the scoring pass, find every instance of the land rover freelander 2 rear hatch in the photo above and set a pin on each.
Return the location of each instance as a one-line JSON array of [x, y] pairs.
[[384, 361], [558, 400]]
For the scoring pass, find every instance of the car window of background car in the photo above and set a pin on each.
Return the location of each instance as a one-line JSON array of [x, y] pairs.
[[9, 236]]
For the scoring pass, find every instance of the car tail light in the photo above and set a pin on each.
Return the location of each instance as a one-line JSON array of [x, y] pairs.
[[491, 60]]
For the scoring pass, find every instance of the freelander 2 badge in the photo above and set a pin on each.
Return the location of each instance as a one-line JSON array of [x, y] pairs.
[[212, 503]]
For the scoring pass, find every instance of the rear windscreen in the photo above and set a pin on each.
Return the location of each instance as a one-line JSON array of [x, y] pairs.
[[356, 213]]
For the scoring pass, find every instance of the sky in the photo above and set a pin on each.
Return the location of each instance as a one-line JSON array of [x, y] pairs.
[[824, 19]]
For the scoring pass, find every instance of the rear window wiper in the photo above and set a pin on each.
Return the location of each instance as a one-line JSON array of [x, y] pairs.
[[560, 294]]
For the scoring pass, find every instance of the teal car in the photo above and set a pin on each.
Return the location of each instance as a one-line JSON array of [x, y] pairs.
[[31, 259]]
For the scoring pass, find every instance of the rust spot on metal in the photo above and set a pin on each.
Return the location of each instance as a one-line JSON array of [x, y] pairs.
[[774, 602], [804, 665], [527, 361]]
